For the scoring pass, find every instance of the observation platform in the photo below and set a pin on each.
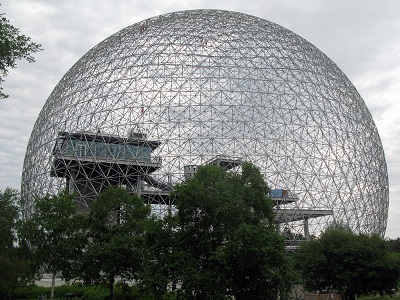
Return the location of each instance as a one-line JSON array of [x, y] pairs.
[[284, 215], [225, 162], [282, 196], [155, 197], [93, 155], [64, 165], [91, 162]]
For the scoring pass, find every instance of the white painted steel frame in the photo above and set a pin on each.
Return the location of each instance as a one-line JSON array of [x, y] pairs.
[[207, 83]]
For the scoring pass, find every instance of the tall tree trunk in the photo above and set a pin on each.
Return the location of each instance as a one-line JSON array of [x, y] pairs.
[[111, 287], [53, 284]]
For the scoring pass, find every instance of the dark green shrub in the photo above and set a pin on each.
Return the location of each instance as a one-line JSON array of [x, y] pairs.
[[95, 293], [75, 288], [31, 291], [121, 292]]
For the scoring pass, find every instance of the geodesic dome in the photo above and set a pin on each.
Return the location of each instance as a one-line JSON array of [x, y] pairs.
[[182, 89]]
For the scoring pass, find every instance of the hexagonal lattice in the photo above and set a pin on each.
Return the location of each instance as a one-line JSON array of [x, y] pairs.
[[189, 86]]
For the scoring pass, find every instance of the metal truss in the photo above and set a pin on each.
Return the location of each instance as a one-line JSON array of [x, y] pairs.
[[207, 83]]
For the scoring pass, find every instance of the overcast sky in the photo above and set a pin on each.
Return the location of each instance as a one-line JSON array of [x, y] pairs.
[[361, 36]]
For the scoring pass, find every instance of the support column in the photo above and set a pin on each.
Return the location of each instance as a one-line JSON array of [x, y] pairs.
[[306, 231], [278, 228], [71, 181]]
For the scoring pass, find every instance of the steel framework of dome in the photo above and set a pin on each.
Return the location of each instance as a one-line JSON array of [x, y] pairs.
[[149, 104]]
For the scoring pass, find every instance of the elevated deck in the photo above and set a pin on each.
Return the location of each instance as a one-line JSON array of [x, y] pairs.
[[137, 139], [88, 154], [282, 196], [225, 162], [283, 215], [155, 197], [64, 165]]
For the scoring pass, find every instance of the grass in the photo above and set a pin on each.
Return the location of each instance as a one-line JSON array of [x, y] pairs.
[[378, 297]]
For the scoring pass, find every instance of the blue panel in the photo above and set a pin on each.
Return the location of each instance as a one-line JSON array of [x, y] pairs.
[[105, 150], [278, 193]]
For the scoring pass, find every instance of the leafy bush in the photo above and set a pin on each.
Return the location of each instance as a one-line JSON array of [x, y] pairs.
[[96, 293], [31, 291], [76, 288], [87, 292]]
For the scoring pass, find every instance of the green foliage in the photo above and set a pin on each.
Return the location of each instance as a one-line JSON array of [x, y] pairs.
[[13, 46], [162, 263], [96, 293], [377, 297], [256, 260], [394, 245], [33, 291], [221, 242], [8, 219], [30, 291], [349, 263], [13, 268], [54, 233], [122, 292], [115, 231]]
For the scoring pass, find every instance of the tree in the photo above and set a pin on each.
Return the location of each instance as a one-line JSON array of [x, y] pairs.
[[54, 234], [115, 235], [223, 238], [8, 219], [394, 245], [12, 266], [13, 46], [160, 271], [13, 270], [348, 263]]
